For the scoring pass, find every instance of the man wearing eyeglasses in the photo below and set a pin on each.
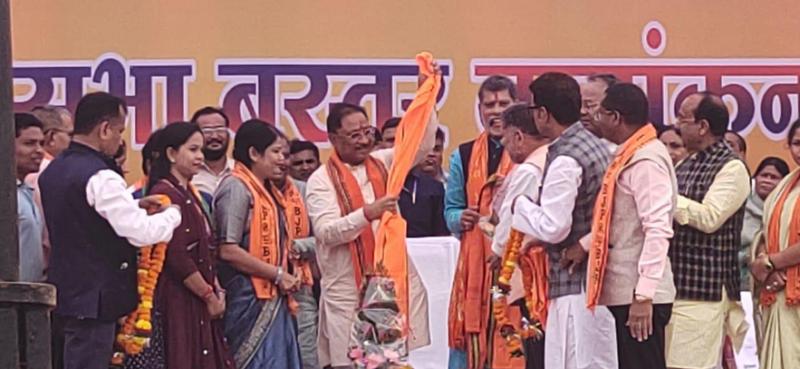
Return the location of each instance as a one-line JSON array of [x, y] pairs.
[[713, 185], [345, 202], [214, 124], [633, 278], [57, 128], [593, 91], [576, 337]]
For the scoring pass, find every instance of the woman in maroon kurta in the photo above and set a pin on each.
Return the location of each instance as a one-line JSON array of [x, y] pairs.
[[188, 300]]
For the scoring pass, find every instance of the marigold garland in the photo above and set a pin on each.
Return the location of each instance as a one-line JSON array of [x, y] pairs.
[[134, 335], [499, 295]]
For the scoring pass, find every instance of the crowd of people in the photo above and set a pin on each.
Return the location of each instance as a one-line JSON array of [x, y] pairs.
[[649, 237]]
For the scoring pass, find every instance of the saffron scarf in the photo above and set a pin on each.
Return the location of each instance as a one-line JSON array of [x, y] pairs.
[[469, 299], [264, 231], [391, 255], [603, 209], [297, 220], [349, 196], [534, 267], [792, 289]]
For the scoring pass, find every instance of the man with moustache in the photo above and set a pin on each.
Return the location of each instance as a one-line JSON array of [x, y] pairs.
[[214, 124], [345, 200], [95, 226], [303, 160], [527, 148], [713, 185], [57, 127], [473, 342]]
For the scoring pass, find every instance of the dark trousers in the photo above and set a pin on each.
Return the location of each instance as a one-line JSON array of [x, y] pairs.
[[88, 343], [57, 341], [648, 353], [534, 349]]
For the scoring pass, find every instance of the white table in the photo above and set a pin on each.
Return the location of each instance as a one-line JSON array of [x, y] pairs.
[[435, 259]]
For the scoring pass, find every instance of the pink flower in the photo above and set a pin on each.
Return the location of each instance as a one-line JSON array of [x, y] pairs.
[[391, 355], [356, 353], [374, 361]]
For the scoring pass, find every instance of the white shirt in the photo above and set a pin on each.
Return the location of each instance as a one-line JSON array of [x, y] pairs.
[[339, 302], [107, 193], [551, 220], [207, 181], [524, 179]]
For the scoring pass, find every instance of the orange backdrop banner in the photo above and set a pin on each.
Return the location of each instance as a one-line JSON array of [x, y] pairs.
[[286, 63]]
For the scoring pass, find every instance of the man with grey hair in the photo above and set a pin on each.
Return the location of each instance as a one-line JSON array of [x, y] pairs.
[[593, 91], [57, 122]]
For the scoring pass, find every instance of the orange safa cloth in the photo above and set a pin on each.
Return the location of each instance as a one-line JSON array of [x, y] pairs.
[[773, 231], [391, 255], [470, 302]]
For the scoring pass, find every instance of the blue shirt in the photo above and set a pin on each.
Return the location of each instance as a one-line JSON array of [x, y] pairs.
[[31, 252], [455, 200]]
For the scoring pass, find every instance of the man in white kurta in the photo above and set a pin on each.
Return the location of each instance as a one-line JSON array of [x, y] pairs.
[[340, 296], [527, 148]]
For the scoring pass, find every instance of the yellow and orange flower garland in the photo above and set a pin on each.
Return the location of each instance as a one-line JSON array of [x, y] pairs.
[[135, 333], [500, 291]]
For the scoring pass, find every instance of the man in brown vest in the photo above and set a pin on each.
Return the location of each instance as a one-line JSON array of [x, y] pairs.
[[634, 213]]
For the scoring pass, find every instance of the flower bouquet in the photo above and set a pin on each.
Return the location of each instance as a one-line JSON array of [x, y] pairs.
[[378, 340]]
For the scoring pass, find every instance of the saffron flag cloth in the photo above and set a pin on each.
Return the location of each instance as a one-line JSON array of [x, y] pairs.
[[264, 232], [604, 207], [298, 227], [349, 196], [469, 311], [534, 279], [773, 238], [391, 256]]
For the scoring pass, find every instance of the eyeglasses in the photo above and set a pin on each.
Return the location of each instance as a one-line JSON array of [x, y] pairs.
[[214, 130], [59, 130], [600, 112], [535, 106], [358, 135]]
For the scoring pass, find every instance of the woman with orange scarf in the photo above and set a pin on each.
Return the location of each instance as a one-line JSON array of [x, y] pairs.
[[254, 244], [776, 268]]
